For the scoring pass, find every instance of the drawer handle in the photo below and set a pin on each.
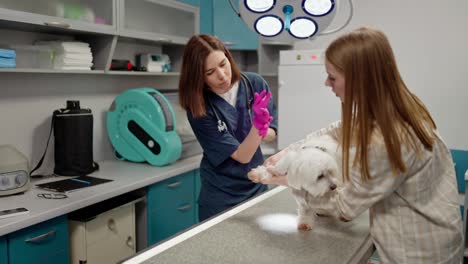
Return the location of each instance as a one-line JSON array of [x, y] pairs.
[[57, 24], [129, 242], [185, 207], [111, 224], [175, 184], [41, 237]]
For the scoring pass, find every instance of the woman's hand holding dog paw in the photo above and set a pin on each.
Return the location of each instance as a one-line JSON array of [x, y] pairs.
[[276, 178], [272, 160]]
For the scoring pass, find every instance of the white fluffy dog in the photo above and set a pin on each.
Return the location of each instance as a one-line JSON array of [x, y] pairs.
[[312, 170]]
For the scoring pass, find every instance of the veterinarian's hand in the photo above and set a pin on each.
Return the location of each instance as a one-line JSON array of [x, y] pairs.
[[276, 180], [263, 126], [261, 100], [262, 116]]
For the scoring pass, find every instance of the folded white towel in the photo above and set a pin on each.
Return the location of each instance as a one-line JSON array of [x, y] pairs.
[[72, 68], [80, 64], [74, 56], [63, 60]]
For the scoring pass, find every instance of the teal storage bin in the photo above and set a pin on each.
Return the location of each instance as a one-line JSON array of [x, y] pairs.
[[3, 250], [46, 242], [141, 125]]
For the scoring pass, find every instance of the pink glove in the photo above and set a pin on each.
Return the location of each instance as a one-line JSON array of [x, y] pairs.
[[262, 116], [261, 102]]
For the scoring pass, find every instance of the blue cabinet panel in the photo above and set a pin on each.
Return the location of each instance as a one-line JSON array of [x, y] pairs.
[[230, 28], [3, 251], [170, 207], [197, 192], [206, 17], [165, 222], [170, 191], [191, 2], [45, 242], [460, 158]]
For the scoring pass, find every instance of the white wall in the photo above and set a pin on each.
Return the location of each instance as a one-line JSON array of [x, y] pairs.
[[27, 101], [430, 41]]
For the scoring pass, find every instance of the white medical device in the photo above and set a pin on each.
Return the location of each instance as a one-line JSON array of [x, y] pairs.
[[14, 171]]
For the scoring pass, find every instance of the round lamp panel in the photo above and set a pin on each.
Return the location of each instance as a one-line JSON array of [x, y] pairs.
[[269, 20], [303, 27], [259, 6], [269, 25], [318, 7]]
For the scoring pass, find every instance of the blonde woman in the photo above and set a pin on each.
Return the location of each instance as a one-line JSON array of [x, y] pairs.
[[394, 162]]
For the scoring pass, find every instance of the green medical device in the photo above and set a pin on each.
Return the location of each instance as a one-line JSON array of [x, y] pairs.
[[142, 127]]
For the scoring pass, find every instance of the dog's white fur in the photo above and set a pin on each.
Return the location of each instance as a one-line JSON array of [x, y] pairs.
[[312, 170]]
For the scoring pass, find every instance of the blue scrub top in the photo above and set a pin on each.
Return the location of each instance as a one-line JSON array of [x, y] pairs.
[[224, 180]]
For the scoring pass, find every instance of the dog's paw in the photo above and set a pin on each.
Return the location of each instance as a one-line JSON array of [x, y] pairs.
[[258, 174], [304, 227], [305, 222]]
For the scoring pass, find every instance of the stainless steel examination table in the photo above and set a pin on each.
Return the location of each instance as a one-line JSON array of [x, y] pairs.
[[238, 236]]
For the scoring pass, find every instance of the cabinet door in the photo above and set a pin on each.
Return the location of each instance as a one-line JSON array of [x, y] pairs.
[[82, 15], [167, 221], [171, 207], [45, 242], [111, 235], [230, 28], [158, 20], [175, 190], [197, 192], [3, 251]]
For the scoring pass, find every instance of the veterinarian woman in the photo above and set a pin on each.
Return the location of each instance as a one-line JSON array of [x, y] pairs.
[[395, 162], [230, 113]]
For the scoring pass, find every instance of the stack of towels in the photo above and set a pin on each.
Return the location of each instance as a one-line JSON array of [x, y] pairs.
[[7, 58], [70, 55]]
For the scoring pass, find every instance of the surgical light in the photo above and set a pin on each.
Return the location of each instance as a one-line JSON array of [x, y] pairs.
[[289, 20]]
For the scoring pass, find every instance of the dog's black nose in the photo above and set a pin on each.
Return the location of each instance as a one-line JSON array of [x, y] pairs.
[[332, 187]]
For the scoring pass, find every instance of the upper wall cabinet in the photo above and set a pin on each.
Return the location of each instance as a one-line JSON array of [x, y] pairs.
[[80, 15], [226, 25], [158, 20]]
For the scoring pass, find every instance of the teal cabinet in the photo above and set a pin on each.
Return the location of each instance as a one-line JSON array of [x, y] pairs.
[[46, 242], [197, 192], [170, 206], [191, 2], [3, 250], [217, 18]]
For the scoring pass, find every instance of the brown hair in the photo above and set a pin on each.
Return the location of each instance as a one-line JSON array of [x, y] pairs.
[[376, 100], [192, 77]]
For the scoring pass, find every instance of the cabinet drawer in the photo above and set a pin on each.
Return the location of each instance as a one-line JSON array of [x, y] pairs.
[[108, 238], [170, 220], [171, 191], [40, 243], [3, 251]]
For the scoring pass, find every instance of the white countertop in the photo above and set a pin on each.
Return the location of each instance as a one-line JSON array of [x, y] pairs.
[[263, 230], [126, 176]]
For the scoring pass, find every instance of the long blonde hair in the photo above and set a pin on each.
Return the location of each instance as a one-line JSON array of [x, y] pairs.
[[376, 99]]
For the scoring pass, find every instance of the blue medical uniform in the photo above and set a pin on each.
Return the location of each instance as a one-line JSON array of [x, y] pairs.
[[224, 181]]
